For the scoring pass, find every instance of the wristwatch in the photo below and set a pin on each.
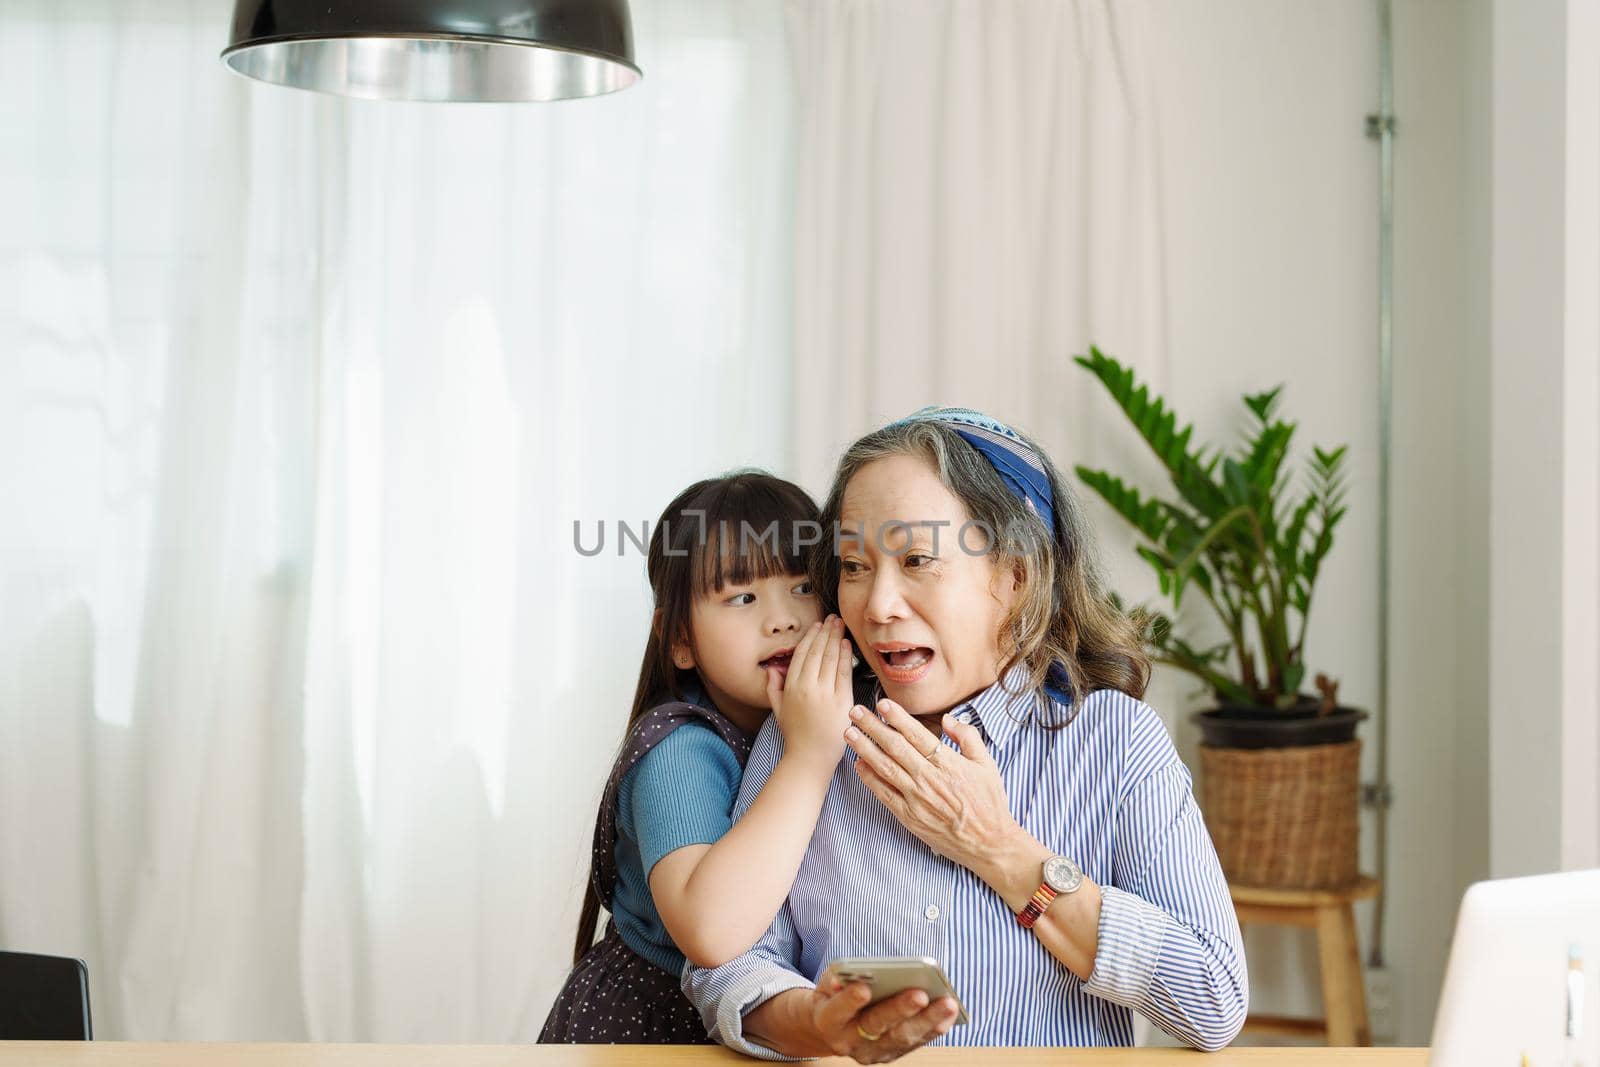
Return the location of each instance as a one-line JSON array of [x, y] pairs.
[[1061, 876]]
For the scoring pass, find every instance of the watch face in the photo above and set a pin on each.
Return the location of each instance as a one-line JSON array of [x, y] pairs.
[[1062, 874]]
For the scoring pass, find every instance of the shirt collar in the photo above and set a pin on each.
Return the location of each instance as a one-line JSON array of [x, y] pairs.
[[1002, 709]]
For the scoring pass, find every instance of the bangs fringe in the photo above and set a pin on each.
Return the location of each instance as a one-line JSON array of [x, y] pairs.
[[751, 532]]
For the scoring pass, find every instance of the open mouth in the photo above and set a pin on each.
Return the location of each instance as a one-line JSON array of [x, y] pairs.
[[903, 662], [780, 660]]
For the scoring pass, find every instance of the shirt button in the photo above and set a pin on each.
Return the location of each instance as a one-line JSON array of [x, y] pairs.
[[932, 912]]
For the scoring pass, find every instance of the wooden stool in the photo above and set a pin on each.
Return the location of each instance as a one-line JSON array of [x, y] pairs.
[[1331, 914]]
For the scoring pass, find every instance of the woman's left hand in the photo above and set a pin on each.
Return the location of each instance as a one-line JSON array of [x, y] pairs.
[[954, 802]]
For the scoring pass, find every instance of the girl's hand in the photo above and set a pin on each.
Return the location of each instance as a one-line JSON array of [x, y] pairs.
[[812, 705], [953, 802]]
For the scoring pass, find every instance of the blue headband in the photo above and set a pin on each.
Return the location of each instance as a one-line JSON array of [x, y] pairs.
[[1017, 464], [1022, 471]]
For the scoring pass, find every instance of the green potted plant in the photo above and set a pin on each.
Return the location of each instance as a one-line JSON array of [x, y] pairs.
[[1280, 766]]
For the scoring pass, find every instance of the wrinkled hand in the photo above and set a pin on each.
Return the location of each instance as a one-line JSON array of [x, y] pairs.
[[812, 705], [896, 1026], [954, 802]]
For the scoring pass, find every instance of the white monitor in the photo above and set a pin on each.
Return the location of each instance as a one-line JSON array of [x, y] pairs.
[[1525, 961]]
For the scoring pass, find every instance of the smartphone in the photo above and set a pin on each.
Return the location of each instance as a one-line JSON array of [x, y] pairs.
[[888, 975]]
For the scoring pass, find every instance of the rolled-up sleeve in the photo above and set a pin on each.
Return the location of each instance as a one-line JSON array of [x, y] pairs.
[[1170, 946], [724, 995]]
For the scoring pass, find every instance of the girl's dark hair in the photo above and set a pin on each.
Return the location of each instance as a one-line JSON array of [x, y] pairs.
[[1064, 616], [730, 530]]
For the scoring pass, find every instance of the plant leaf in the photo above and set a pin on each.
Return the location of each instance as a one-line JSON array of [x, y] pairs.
[[1264, 405], [1148, 517], [1234, 530], [1155, 424]]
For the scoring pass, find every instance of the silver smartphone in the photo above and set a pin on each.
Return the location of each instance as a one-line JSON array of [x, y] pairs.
[[888, 975]]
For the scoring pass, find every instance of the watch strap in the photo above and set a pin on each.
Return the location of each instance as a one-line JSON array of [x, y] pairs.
[[1036, 904]]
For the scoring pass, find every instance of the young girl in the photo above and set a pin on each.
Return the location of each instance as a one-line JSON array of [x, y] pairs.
[[736, 634]]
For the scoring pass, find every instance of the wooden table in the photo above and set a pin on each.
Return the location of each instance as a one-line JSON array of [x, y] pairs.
[[162, 1054], [1331, 913]]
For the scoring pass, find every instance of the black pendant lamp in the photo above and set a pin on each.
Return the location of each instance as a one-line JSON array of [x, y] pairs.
[[436, 49]]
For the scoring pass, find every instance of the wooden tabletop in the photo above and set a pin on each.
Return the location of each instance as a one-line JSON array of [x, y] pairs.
[[163, 1054]]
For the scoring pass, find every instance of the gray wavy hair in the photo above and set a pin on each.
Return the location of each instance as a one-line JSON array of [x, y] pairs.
[[1063, 615]]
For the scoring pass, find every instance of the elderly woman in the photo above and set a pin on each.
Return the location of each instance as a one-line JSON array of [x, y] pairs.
[[1012, 809]]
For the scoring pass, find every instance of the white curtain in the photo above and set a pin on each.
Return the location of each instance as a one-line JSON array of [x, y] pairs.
[[977, 200], [305, 694]]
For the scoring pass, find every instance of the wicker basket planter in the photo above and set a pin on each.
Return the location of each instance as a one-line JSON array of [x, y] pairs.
[[1280, 794]]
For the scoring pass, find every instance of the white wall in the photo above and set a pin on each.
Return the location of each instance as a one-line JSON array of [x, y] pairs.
[[1272, 202], [1272, 216], [1468, 795], [1526, 367], [1439, 688], [1545, 478], [1580, 747]]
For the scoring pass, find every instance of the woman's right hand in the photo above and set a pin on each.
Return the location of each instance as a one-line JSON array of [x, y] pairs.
[[885, 1031], [812, 704]]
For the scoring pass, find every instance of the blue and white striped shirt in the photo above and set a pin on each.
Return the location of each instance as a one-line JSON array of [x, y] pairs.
[[1108, 790]]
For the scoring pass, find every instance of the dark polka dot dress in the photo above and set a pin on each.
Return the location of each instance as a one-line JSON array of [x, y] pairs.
[[614, 995]]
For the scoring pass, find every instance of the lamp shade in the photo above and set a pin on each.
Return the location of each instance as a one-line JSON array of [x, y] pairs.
[[436, 49]]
